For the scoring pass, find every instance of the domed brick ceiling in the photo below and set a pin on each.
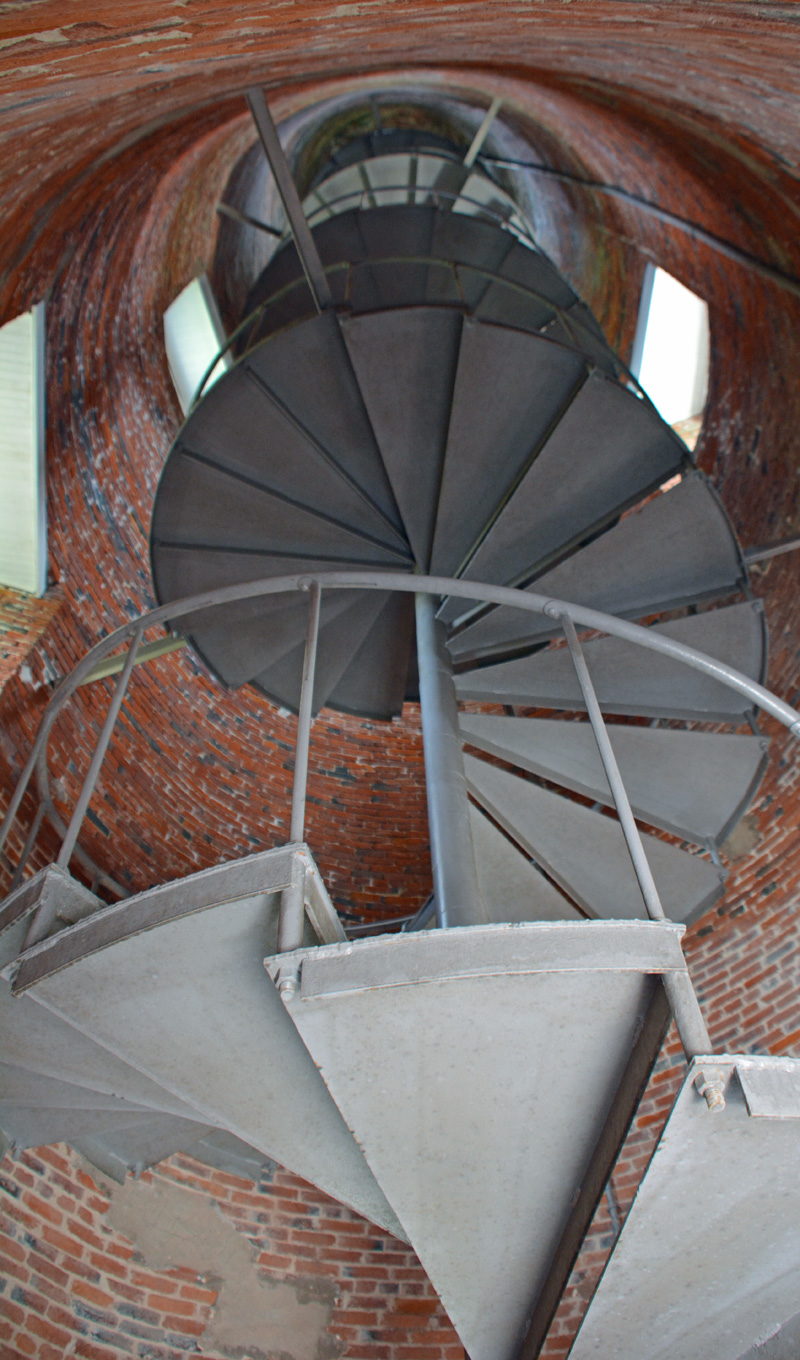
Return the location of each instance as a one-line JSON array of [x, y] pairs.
[[119, 138]]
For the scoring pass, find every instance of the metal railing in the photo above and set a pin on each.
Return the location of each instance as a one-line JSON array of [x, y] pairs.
[[246, 335], [566, 615]]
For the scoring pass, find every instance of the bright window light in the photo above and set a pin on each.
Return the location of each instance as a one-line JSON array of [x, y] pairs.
[[193, 336], [23, 522], [670, 353]]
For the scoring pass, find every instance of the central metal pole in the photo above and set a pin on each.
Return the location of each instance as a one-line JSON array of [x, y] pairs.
[[455, 881]]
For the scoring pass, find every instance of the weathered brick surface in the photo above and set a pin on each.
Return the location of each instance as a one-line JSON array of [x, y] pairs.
[[117, 134]]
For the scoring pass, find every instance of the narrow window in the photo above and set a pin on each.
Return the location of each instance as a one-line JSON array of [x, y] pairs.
[[193, 337], [23, 505], [670, 353]]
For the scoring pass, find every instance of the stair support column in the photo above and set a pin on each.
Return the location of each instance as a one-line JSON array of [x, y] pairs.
[[455, 879]]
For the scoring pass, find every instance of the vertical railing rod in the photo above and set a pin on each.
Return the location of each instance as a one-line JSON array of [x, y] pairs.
[[290, 925], [678, 986], [633, 840], [68, 844], [304, 715], [27, 848]]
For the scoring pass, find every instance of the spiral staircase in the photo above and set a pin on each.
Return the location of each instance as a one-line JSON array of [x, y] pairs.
[[448, 408]]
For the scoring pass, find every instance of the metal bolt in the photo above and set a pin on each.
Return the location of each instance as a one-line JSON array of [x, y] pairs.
[[710, 1083], [287, 981]]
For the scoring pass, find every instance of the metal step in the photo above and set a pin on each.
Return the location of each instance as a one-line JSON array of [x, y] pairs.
[[607, 452], [339, 640], [248, 636], [491, 443], [584, 851], [307, 368], [212, 507], [374, 684], [46, 1046], [131, 1150], [630, 680], [694, 784], [185, 961], [405, 363], [708, 1260], [25, 1127], [462, 1061], [678, 549], [242, 427], [507, 877]]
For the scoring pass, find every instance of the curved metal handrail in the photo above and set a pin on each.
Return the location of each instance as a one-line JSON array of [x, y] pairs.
[[574, 326], [526, 600]]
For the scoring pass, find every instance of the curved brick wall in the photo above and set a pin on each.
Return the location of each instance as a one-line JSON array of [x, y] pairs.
[[118, 134]]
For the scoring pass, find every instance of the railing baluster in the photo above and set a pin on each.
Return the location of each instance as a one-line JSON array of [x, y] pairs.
[[90, 781], [685, 1007], [290, 929]]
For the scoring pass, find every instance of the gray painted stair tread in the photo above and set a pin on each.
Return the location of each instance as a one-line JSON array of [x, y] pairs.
[[134, 1149], [480, 1137], [308, 369], [339, 639], [378, 285], [405, 363], [729, 1280], [207, 505], [584, 851], [506, 876], [241, 428], [374, 683], [35, 1040], [250, 635], [20, 1086], [37, 1127], [491, 442], [629, 679], [232, 1052], [608, 450], [694, 784], [677, 549]]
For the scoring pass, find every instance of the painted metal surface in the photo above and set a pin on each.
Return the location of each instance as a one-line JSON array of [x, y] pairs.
[[708, 1262], [631, 680], [462, 1061], [455, 881], [615, 448], [677, 549], [600, 879], [510, 884], [172, 983], [693, 784]]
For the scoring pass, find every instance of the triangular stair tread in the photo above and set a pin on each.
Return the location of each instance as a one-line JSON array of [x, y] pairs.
[[253, 634], [339, 639], [187, 572], [405, 363], [134, 1149], [172, 982], [678, 549], [693, 784], [240, 427], [20, 1086], [308, 369], [374, 684], [608, 450], [514, 888], [47, 1047], [440, 1049], [584, 851], [723, 1279], [36, 1127], [490, 443], [202, 504], [629, 679]]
